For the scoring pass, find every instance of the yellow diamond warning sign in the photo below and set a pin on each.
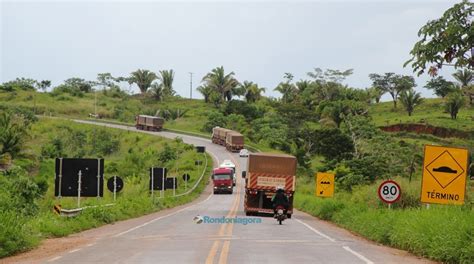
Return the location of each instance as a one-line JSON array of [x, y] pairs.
[[324, 184], [444, 175]]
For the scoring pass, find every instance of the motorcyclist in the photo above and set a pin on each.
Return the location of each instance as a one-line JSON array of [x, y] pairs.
[[280, 199]]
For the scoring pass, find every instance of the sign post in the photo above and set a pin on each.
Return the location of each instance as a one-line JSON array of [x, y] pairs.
[[162, 194], [444, 175], [324, 184], [153, 184], [389, 192], [79, 189]]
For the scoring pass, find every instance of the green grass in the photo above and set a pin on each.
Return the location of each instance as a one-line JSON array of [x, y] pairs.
[[431, 111], [442, 233], [19, 233]]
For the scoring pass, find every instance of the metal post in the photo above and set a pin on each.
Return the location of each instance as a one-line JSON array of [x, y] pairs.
[[115, 187], [60, 176], [389, 206], [79, 189], [152, 183], [162, 194], [191, 86], [98, 179], [174, 186]]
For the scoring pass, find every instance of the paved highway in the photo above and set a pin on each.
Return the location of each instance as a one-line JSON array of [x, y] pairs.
[[171, 236]]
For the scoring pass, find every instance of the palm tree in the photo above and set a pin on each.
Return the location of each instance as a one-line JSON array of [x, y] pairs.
[[287, 89], [143, 79], [454, 102], [206, 91], [252, 92], [220, 82], [166, 77], [466, 78], [410, 99]]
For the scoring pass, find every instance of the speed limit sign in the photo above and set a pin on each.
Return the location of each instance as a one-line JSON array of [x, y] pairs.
[[389, 191]]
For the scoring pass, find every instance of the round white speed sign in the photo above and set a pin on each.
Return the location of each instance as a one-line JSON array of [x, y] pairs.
[[389, 191]]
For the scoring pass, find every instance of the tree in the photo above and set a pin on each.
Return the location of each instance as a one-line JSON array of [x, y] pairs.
[[220, 82], [287, 89], [440, 86], [20, 84], [206, 91], [143, 79], [410, 99], [252, 92], [166, 77], [375, 93], [333, 144], [44, 84], [447, 41], [330, 75], [106, 80], [393, 84], [214, 119], [465, 78], [454, 102], [157, 91], [79, 84]]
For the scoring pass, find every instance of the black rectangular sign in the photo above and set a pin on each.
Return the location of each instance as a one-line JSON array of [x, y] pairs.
[[169, 183], [69, 170], [201, 149], [157, 174]]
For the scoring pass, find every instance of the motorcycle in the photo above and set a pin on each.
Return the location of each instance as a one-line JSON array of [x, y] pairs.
[[280, 214]]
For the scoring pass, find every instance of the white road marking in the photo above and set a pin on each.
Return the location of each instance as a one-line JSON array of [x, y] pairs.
[[90, 245], [54, 259], [217, 159], [316, 231], [367, 261], [151, 221], [75, 250]]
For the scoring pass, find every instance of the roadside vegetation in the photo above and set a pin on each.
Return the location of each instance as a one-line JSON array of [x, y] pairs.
[[326, 124], [27, 176]]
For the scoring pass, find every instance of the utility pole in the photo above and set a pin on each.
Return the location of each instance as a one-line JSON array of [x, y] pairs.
[[190, 85]]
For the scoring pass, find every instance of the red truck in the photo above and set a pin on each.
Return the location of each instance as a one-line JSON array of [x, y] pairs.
[[222, 180], [265, 172]]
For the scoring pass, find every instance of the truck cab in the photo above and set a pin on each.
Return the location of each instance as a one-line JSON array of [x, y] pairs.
[[229, 165], [222, 180]]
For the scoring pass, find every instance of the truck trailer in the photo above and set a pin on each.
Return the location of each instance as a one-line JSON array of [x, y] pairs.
[[234, 141], [146, 122], [265, 172], [219, 134]]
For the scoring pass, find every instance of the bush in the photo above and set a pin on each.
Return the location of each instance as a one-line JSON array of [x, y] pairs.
[[214, 119]]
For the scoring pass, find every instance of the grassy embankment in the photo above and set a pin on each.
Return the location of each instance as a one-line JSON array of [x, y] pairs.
[[137, 152], [442, 233]]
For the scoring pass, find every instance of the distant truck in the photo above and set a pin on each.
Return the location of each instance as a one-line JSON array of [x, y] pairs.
[[222, 180], [219, 134], [229, 165], [265, 172], [234, 141], [151, 123]]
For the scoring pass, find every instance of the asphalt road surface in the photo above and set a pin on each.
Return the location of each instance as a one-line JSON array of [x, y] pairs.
[[172, 236]]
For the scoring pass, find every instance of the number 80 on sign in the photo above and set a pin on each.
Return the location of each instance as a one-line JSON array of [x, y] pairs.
[[389, 191]]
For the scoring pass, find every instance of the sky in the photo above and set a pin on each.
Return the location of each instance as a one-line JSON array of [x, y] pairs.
[[258, 41]]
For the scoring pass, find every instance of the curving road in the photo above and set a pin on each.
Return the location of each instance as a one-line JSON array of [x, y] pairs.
[[171, 236]]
